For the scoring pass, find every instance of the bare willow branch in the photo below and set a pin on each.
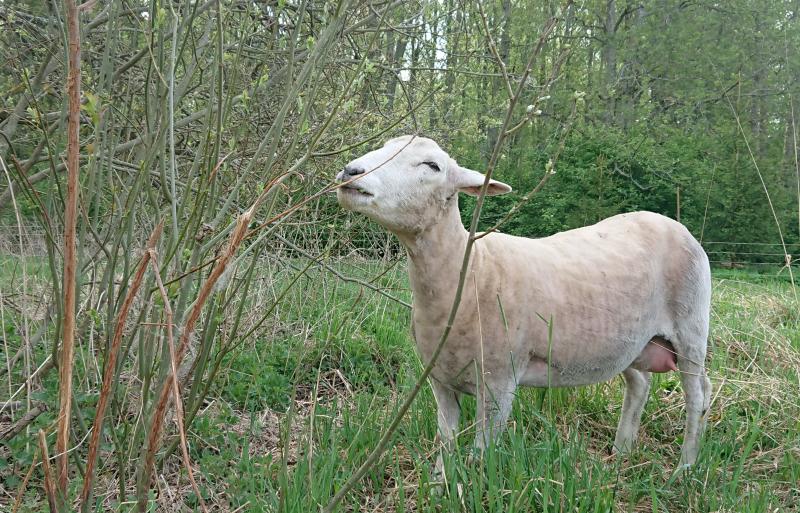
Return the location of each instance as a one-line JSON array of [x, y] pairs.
[[70, 256], [550, 170], [493, 48], [23, 422]]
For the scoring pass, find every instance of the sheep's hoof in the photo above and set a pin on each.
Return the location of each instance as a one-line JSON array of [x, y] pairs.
[[438, 479], [436, 488], [439, 488], [623, 447], [681, 471], [686, 462]]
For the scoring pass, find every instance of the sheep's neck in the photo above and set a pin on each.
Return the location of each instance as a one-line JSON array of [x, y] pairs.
[[435, 258]]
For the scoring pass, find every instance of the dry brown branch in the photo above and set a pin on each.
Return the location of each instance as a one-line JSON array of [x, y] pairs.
[[24, 485], [160, 410], [111, 365], [70, 256], [176, 397], [48, 474]]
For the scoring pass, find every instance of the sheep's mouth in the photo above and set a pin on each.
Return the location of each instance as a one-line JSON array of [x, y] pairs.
[[355, 189]]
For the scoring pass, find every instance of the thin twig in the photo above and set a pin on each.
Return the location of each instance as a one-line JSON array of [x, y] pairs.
[[796, 161], [766, 192], [383, 443], [45, 366], [339, 275], [493, 48], [159, 412], [549, 171]]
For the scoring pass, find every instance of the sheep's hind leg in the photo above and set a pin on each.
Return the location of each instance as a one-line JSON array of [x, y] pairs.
[[697, 394], [707, 393], [637, 388]]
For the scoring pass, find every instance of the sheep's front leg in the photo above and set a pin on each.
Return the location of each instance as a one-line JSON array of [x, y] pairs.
[[493, 409], [637, 388], [447, 414]]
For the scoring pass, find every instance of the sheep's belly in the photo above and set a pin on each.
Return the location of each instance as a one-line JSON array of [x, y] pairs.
[[539, 374], [657, 356]]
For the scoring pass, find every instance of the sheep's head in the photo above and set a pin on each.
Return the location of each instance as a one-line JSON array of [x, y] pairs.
[[406, 185]]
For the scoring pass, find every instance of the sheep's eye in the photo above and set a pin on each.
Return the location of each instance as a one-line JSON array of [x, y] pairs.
[[432, 165]]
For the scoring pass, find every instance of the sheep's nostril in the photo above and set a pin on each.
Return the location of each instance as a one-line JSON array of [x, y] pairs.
[[351, 170]]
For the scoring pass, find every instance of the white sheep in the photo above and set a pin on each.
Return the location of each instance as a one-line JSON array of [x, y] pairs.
[[630, 294]]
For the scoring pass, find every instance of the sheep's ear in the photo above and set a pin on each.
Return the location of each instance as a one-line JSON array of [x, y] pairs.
[[470, 182]]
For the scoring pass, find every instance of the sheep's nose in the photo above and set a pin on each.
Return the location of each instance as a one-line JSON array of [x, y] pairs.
[[353, 170]]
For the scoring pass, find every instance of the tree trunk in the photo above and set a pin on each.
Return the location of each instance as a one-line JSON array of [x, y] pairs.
[[395, 55], [609, 61]]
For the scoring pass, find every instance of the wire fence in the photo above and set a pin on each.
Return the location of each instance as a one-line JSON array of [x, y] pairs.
[[729, 254], [29, 240], [22, 240]]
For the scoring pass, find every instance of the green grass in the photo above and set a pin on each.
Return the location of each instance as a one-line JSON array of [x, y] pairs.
[[308, 405], [295, 412]]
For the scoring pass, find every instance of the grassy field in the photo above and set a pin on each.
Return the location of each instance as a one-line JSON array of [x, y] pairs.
[[295, 412], [295, 415]]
